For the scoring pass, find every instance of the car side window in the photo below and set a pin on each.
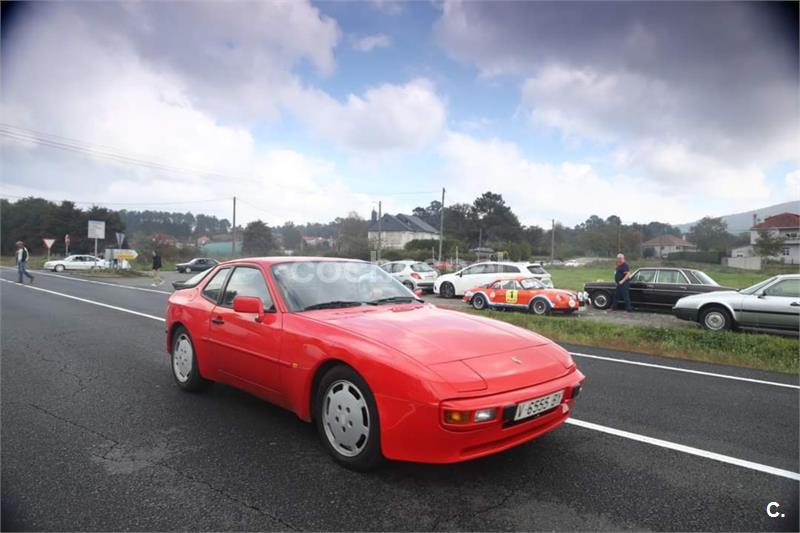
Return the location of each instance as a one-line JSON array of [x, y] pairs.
[[508, 269], [214, 285], [509, 285], [644, 276], [477, 269], [671, 276], [789, 288], [247, 281]]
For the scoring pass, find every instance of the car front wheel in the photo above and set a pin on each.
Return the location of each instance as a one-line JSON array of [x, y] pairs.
[[447, 290], [540, 307], [601, 300], [59, 268], [347, 419], [716, 319], [184, 363]]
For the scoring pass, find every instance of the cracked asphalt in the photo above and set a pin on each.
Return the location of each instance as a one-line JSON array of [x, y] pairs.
[[95, 436]]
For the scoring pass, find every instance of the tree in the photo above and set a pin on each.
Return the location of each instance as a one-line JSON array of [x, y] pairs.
[[496, 219], [710, 234], [768, 244], [257, 239], [291, 235]]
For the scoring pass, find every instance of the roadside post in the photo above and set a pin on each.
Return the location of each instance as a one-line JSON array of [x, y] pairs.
[[66, 244], [49, 244], [120, 239], [97, 230]]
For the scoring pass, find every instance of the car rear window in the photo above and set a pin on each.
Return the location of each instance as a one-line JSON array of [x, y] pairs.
[[212, 288], [421, 267], [535, 269]]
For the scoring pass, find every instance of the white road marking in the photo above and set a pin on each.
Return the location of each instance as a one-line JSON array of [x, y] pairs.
[[143, 289], [686, 449], [686, 370], [100, 304], [580, 423]]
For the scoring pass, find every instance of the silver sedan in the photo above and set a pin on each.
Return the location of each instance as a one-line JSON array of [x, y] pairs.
[[771, 304]]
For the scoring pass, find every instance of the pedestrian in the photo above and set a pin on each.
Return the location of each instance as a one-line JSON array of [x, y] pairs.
[[621, 277], [157, 281], [22, 257]]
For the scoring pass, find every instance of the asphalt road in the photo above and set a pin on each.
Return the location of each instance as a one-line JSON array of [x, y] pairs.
[[95, 436]]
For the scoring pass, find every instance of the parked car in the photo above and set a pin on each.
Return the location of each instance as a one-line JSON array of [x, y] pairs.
[[198, 264], [572, 263], [771, 304], [455, 284], [380, 373], [76, 262], [413, 274], [657, 288], [526, 294]]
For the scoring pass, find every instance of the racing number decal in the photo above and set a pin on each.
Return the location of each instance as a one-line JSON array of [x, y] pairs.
[[511, 296]]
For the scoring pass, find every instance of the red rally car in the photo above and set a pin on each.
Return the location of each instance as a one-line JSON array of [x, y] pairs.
[[527, 294], [380, 373]]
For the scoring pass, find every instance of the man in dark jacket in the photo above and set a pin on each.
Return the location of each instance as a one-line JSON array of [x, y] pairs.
[[157, 281], [621, 277], [22, 257]]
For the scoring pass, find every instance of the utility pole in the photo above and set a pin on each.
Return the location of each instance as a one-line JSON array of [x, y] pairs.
[[380, 216], [441, 226], [553, 242], [619, 238], [233, 242]]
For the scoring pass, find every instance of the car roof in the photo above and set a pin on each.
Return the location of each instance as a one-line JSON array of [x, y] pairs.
[[404, 262], [269, 261]]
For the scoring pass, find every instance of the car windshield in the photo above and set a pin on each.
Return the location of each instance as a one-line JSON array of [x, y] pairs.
[[531, 284], [307, 285], [704, 278], [758, 286]]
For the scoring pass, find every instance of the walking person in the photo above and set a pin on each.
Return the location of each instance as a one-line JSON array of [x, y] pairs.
[[22, 257], [157, 281], [621, 277]]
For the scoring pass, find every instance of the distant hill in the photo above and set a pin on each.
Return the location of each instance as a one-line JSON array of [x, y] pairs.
[[740, 222]]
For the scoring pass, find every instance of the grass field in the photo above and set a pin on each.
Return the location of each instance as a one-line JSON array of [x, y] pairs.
[[575, 277], [751, 350]]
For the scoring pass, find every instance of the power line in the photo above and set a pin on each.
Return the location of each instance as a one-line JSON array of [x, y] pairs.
[[137, 204]]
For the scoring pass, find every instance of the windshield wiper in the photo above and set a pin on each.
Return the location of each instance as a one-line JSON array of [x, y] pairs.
[[332, 305], [395, 300]]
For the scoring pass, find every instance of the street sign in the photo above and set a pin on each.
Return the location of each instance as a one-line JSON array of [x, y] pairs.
[[128, 255], [97, 229], [120, 239], [48, 243]]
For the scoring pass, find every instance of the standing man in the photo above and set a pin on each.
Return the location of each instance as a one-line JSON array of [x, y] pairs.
[[621, 276], [22, 261], [157, 281]]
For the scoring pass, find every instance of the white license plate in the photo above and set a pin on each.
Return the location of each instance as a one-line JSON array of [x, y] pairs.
[[538, 405]]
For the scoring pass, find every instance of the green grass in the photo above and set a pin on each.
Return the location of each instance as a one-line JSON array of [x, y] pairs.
[[750, 350], [575, 277]]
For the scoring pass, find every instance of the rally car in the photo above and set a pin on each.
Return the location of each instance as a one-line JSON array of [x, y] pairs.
[[525, 293]]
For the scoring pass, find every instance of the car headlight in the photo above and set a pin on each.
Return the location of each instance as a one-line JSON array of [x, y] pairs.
[[571, 302]]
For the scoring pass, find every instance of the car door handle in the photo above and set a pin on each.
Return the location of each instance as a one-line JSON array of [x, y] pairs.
[[682, 288], [795, 304], [217, 320]]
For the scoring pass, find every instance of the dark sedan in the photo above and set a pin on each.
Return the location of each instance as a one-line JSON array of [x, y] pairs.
[[198, 264], [657, 288]]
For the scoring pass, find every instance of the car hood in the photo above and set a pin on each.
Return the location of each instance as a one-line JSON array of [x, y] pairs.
[[724, 295], [469, 352]]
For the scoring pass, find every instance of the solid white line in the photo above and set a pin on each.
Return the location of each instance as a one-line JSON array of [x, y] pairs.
[[688, 371], [580, 423], [144, 289], [100, 304], [687, 449]]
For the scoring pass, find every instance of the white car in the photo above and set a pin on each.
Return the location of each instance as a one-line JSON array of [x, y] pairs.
[[455, 284], [76, 262], [413, 274]]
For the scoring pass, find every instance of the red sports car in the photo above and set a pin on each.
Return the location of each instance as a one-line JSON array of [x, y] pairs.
[[380, 372]]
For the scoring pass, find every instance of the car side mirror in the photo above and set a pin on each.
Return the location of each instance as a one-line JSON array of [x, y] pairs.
[[249, 304], [460, 274]]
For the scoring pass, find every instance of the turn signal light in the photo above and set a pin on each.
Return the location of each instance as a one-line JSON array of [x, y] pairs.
[[457, 417]]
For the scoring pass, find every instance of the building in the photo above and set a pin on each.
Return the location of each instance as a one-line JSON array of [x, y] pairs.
[[398, 230], [665, 245], [785, 226]]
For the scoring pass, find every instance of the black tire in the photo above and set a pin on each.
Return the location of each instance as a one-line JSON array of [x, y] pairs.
[[58, 268], [716, 318], [447, 290], [367, 455], [409, 285], [479, 302], [193, 382], [540, 307], [601, 300]]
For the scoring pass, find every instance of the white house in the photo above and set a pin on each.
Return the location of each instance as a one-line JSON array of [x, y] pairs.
[[785, 226], [397, 230], [664, 245]]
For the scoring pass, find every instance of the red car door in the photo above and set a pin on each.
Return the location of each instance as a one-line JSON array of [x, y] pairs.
[[248, 351]]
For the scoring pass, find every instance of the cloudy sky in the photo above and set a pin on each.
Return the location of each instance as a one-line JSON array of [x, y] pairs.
[[305, 110]]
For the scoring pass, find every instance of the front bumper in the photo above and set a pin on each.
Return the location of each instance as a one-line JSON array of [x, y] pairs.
[[686, 314], [414, 432]]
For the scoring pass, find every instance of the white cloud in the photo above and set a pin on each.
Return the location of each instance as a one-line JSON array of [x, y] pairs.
[[369, 43], [793, 184], [388, 7], [385, 117]]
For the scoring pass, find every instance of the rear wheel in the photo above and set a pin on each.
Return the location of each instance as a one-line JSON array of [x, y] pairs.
[[540, 307], [601, 300], [184, 363], [716, 319], [479, 302], [409, 285], [447, 290], [347, 419]]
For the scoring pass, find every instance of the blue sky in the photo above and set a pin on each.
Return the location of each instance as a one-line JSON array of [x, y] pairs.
[[307, 111]]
